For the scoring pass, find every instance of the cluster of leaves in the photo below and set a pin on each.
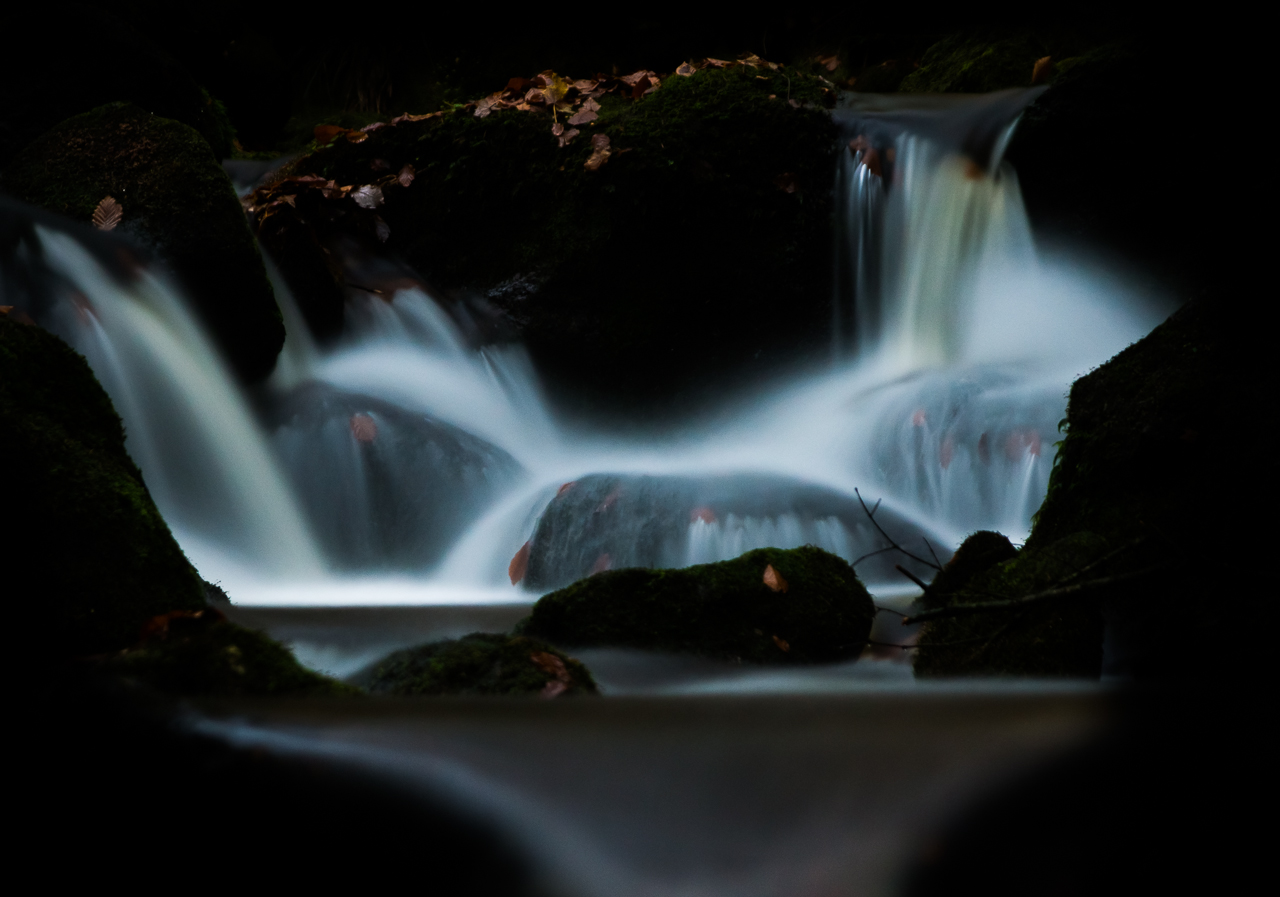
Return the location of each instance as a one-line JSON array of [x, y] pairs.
[[314, 200]]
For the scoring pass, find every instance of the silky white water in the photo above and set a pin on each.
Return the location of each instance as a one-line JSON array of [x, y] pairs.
[[954, 344]]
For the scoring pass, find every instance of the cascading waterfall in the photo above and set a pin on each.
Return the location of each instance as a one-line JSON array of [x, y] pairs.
[[402, 464]]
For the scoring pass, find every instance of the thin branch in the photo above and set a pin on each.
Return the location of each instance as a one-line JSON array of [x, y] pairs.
[[911, 576], [891, 645], [886, 610], [960, 610], [871, 515], [937, 562]]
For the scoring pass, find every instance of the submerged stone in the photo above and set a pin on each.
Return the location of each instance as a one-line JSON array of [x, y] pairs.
[[482, 664], [176, 200], [769, 606], [384, 487], [608, 522]]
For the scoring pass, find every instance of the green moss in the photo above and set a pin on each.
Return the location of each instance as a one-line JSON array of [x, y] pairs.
[[722, 610], [977, 554], [682, 245], [222, 659], [976, 62], [177, 199], [1058, 639], [91, 558], [482, 664]]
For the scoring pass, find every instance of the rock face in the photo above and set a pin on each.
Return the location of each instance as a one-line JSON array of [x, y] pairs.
[[94, 569], [604, 522], [177, 200], [384, 487], [700, 246], [1129, 521], [99, 558], [482, 664], [770, 606]]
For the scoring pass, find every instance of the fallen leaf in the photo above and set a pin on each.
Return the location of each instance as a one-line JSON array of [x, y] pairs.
[[519, 565], [557, 129], [368, 196], [406, 175], [565, 487], [600, 152], [773, 579], [326, 134], [603, 563], [782, 644], [830, 63], [553, 689], [108, 214], [363, 427], [381, 229], [585, 85], [786, 182], [567, 137], [870, 157], [705, 514], [1043, 70], [685, 69], [551, 665]]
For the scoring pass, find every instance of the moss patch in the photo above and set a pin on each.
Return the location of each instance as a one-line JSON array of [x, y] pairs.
[[723, 610], [93, 559], [976, 62], [201, 654], [482, 664], [176, 199], [1062, 639]]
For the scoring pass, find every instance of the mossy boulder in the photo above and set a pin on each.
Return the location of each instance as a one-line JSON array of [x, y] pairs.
[[201, 653], [1048, 640], [976, 62], [91, 558], [1147, 479], [178, 201], [816, 610], [700, 247], [482, 664]]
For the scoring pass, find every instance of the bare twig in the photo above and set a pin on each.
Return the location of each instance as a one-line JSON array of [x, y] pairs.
[[893, 545], [890, 645], [933, 553], [960, 610]]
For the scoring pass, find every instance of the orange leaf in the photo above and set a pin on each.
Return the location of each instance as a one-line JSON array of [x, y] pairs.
[[773, 579], [783, 644], [363, 427], [600, 152], [519, 565]]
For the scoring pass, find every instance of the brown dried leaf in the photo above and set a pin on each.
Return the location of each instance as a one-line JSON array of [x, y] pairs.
[[584, 117], [603, 562], [406, 175], [519, 565], [326, 134], [782, 644], [381, 229], [685, 69], [108, 214], [786, 182], [1043, 70], [557, 129], [568, 136], [363, 428], [600, 152], [551, 665], [773, 579], [830, 63], [554, 688]]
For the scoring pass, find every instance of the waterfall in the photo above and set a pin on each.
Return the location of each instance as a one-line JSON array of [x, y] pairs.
[[405, 464]]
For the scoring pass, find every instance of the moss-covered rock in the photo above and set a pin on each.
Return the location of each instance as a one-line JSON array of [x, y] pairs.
[[177, 199], [1052, 639], [701, 245], [91, 558], [815, 611], [976, 62], [1148, 476], [482, 664], [200, 653]]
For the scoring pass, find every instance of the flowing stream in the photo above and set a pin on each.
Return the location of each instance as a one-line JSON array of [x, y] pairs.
[[407, 466]]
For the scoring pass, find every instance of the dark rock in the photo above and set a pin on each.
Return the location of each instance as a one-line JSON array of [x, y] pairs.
[[976, 62], [603, 522], [815, 611], [482, 664], [201, 653], [176, 199], [1049, 640], [679, 260], [90, 557], [384, 487]]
